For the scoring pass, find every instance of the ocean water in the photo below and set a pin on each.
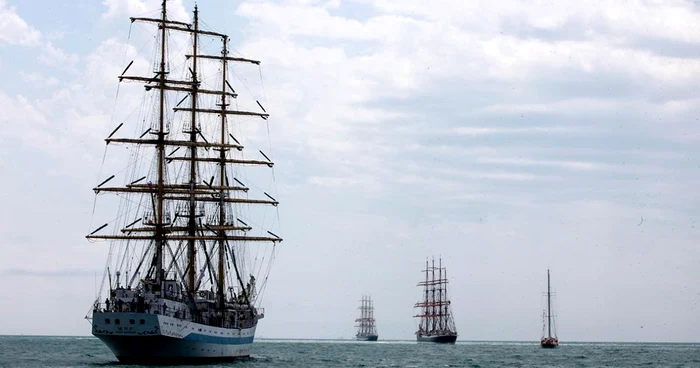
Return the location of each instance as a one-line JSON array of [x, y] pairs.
[[21, 351]]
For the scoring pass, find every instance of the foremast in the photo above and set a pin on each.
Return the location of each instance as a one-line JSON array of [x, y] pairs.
[[161, 228]]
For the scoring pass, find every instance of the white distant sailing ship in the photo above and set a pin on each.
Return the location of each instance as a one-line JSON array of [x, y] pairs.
[[180, 279], [366, 325]]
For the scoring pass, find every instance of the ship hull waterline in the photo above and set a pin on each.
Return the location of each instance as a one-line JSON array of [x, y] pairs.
[[168, 340], [367, 338], [440, 339]]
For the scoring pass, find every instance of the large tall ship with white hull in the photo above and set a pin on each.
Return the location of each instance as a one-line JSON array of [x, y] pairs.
[[436, 323], [366, 324], [181, 284]]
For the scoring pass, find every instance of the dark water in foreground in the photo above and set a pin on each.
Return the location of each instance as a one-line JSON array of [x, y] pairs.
[[89, 352]]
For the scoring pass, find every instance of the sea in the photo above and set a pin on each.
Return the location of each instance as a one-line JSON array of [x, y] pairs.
[[43, 351]]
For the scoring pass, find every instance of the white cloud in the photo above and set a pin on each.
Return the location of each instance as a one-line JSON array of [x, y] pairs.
[[571, 165], [57, 57], [14, 30], [144, 8], [39, 80], [475, 131]]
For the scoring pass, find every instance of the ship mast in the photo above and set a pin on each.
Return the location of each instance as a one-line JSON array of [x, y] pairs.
[[222, 177], [160, 146], [192, 224], [427, 300], [549, 307], [439, 302], [156, 224]]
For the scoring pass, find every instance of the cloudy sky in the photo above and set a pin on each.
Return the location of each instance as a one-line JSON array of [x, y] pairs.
[[507, 137]]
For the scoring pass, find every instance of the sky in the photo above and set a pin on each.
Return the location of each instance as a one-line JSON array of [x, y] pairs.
[[506, 137]]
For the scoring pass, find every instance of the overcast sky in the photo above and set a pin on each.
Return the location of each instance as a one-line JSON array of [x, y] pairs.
[[506, 136]]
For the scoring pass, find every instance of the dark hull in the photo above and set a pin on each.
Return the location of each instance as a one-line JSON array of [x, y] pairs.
[[180, 361], [367, 338], [441, 339], [162, 350], [549, 345]]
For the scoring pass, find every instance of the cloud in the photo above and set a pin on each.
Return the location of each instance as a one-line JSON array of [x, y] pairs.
[[20, 272], [14, 30], [141, 8], [39, 79], [57, 57], [475, 131], [507, 136]]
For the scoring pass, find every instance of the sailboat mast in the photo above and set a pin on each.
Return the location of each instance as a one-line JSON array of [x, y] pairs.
[[364, 315], [549, 307], [432, 287], [426, 306], [222, 177], [192, 225], [440, 299], [160, 146], [446, 301]]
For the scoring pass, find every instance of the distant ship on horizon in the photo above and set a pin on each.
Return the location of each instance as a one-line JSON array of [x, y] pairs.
[[436, 323], [366, 327], [549, 340]]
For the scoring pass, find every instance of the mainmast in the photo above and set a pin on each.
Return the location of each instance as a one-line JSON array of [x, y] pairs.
[[439, 302], [427, 304], [549, 307], [192, 224], [222, 183], [160, 146]]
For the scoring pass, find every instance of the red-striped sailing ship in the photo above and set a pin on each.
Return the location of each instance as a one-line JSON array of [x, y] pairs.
[[436, 323], [192, 230]]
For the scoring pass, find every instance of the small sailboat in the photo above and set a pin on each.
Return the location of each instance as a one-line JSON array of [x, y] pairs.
[[549, 340], [366, 327], [436, 323]]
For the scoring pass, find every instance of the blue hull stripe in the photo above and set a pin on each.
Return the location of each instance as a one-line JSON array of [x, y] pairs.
[[219, 339]]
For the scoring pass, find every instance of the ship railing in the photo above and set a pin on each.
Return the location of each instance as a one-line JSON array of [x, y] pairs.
[[135, 308]]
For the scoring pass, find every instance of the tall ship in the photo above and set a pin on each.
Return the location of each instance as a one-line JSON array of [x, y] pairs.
[[549, 335], [366, 324], [191, 236], [436, 322]]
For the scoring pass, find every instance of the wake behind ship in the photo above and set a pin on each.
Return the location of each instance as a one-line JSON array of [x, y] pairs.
[[179, 276], [436, 323]]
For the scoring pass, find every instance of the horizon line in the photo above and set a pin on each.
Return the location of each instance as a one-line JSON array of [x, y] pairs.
[[406, 340]]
